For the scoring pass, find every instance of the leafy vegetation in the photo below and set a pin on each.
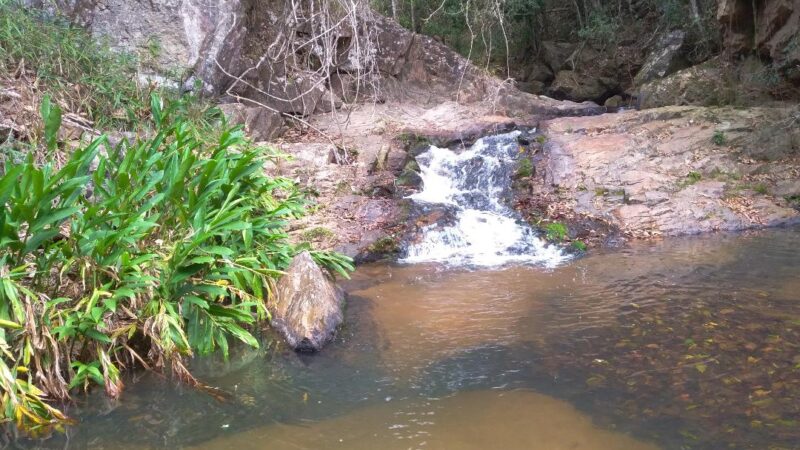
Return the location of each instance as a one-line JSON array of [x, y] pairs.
[[690, 179], [719, 138], [133, 254], [81, 73], [556, 232], [524, 168], [141, 253], [579, 246], [490, 32]]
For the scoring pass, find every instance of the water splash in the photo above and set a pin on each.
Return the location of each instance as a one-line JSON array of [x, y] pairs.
[[473, 184]]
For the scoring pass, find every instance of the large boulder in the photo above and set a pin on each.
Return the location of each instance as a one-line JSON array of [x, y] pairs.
[[260, 123], [307, 307], [175, 39], [580, 87], [697, 85], [664, 59], [770, 28]]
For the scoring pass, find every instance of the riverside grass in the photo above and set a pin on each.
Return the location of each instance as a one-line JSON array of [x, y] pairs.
[[139, 254], [80, 72]]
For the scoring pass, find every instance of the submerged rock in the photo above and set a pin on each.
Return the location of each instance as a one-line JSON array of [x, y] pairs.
[[308, 305]]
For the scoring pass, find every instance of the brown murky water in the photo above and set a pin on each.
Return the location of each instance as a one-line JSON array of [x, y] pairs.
[[513, 419], [682, 344]]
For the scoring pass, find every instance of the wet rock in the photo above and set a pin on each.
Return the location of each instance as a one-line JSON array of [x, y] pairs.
[[664, 59], [307, 307]]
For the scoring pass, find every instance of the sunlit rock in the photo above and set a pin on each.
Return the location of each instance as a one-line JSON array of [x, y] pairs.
[[307, 307]]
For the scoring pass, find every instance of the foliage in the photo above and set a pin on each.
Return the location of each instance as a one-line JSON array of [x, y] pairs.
[[556, 232], [524, 168], [136, 254], [79, 72], [719, 138], [601, 29], [579, 246], [690, 179]]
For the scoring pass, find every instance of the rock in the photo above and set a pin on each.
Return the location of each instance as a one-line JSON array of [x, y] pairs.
[[423, 69], [260, 123], [787, 188], [555, 54], [538, 71], [664, 59], [659, 172], [613, 102], [307, 307], [203, 37], [769, 27], [515, 103], [579, 87], [697, 85], [531, 87]]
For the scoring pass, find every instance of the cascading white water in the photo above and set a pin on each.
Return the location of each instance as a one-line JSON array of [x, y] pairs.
[[486, 232]]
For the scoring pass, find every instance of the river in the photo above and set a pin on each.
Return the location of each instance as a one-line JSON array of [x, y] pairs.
[[683, 343]]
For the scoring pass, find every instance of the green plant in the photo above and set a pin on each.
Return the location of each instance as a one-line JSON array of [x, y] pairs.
[[719, 138], [579, 246], [601, 28], [79, 72], [556, 232], [316, 233], [138, 254], [524, 168], [761, 188], [690, 179]]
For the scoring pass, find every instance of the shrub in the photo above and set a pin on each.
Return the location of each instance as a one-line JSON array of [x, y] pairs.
[[600, 28], [719, 138], [137, 254]]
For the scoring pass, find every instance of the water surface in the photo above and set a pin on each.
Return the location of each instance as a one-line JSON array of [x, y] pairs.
[[690, 343]]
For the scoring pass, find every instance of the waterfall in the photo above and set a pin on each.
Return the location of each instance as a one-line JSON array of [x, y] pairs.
[[475, 186]]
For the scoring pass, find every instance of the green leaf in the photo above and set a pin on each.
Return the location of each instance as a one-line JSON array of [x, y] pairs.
[[51, 116], [98, 336]]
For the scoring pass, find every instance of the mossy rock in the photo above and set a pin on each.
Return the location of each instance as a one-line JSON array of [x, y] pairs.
[[409, 178]]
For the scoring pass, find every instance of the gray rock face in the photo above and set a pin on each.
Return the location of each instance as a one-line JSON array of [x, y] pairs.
[[770, 27], [307, 307], [664, 59], [579, 87], [175, 37], [659, 172], [260, 123]]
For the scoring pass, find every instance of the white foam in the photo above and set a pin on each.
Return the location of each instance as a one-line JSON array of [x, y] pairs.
[[486, 232]]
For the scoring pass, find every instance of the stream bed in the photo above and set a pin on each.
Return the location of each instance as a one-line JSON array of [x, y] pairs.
[[686, 343]]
